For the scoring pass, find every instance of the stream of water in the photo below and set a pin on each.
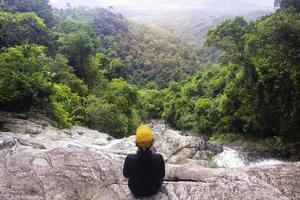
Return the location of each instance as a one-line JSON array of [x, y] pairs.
[[231, 158]]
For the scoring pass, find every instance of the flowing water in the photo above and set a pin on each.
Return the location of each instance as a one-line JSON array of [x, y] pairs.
[[231, 158]]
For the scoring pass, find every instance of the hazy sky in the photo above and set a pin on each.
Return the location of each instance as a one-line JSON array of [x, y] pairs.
[[167, 4]]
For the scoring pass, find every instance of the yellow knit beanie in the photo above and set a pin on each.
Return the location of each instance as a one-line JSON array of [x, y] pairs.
[[143, 137]]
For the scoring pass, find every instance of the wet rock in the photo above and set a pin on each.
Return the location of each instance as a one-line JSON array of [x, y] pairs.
[[7, 142]]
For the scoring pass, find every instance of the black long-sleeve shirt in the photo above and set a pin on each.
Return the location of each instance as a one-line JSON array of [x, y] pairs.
[[145, 171]]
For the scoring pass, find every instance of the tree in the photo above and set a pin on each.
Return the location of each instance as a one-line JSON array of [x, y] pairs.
[[122, 94], [273, 45], [68, 26], [202, 109], [229, 37], [116, 69], [24, 79], [144, 54], [115, 110], [152, 101], [106, 117], [22, 28], [26, 85], [67, 106], [78, 47], [98, 74], [41, 7], [64, 74], [254, 91]]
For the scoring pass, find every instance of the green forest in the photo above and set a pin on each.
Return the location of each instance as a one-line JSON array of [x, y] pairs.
[[92, 67]]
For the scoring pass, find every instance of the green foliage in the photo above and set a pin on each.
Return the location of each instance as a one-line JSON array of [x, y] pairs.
[[98, 57], [116, 111], [122, 94], [98, 77], [137, 53], [273, 47], [229, 37], [224, 138], [152, 102], [27, 85], [203, 108], [255, 89], [77, 47], [41, 7], [106, 117], [63, 74], [277, 143], [22, 28], [24, 79], [94, 48], [151, 85], [178, 110], [67, 26], [67, 106], [116, 69]]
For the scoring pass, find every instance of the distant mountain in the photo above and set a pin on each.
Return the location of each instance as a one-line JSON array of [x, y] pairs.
[[191, 25], [190, 20], [194, 27], [168, 4]]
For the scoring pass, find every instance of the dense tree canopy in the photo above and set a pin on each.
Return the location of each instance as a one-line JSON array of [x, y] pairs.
[[254, 91], [143, 54], [23, 79], [41, 7], [77, 47], [116, 110], [93, 67], [22, 28], [28, 86]]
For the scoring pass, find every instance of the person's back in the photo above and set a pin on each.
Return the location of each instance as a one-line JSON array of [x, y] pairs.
[[145, 169]]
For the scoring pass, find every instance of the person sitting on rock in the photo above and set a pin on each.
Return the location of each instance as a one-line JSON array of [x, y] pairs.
[[146, 168]]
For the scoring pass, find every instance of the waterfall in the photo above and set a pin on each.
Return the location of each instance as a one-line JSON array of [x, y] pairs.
[[231, 158]]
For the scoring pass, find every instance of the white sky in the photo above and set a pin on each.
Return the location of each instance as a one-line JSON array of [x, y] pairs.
[[163, 4]]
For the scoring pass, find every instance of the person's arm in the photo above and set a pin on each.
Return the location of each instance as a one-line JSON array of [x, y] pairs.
[[126, 168], [161, 170]]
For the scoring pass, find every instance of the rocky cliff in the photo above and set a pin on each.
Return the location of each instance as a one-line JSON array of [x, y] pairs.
[[39, 161]]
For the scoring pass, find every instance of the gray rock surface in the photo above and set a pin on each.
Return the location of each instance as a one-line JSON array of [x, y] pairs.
[[39, 161]]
